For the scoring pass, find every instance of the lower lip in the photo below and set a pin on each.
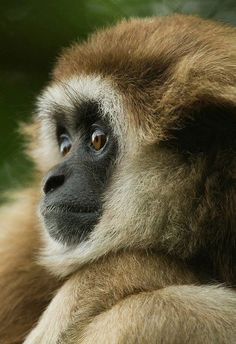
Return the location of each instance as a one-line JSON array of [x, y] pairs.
[[66, 210]]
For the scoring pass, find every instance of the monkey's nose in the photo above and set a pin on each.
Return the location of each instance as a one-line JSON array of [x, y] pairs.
[[53, 182]]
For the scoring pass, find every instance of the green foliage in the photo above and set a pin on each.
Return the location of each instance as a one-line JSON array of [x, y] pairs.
[[33, 33]]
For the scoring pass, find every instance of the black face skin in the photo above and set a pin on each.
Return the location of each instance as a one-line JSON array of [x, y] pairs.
[[73, 190]]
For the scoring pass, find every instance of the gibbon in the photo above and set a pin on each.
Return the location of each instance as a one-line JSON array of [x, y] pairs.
[[128, 233]]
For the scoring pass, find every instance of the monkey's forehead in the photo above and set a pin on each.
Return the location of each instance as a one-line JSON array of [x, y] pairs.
[[145, 53]]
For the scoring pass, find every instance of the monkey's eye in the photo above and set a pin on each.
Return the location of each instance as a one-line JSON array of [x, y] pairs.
[[98, 140], [64, 144]]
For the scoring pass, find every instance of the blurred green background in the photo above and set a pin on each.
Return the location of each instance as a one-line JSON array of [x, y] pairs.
[[32, 34]]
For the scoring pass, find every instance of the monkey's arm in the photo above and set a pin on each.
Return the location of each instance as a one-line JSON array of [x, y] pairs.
[[172, 315], [124, 300], [98, 286], [25, 288]]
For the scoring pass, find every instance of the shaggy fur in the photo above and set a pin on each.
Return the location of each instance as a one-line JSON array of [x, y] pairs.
[[167, 86], [26, 288]]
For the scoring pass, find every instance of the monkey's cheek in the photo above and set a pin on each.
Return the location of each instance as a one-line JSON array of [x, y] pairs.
[[70, 228]]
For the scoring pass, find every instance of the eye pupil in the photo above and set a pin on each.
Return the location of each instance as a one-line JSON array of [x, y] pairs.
[[98, 140]]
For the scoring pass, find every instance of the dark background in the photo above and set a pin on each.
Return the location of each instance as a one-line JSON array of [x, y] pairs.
[[32, 34]]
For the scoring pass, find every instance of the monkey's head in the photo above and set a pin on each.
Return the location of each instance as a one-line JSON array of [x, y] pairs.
[[137, 130]]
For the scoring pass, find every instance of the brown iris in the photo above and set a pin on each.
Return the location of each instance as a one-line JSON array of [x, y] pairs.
[[65, 144], [98, 139]]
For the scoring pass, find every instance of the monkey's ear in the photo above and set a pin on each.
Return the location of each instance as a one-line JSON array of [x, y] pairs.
[[40, 148], [206, 125], [30, 132]]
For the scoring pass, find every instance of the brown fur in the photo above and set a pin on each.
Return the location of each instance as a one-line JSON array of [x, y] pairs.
[[163, 66], [176, 77]]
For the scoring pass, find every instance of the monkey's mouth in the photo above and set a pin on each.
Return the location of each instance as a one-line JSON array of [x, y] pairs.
[[68, 209], [69, 224]]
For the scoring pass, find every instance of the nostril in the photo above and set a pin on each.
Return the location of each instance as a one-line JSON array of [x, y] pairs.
[[53, 182]]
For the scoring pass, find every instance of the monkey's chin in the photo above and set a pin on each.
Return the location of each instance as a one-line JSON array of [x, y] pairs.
[[69, 228]]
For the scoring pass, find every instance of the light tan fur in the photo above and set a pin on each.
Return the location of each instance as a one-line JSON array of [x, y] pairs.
[[137, 297], [167, 233]]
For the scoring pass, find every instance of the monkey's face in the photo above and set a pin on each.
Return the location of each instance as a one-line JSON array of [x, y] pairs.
[[137, 128], [74, 188]]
